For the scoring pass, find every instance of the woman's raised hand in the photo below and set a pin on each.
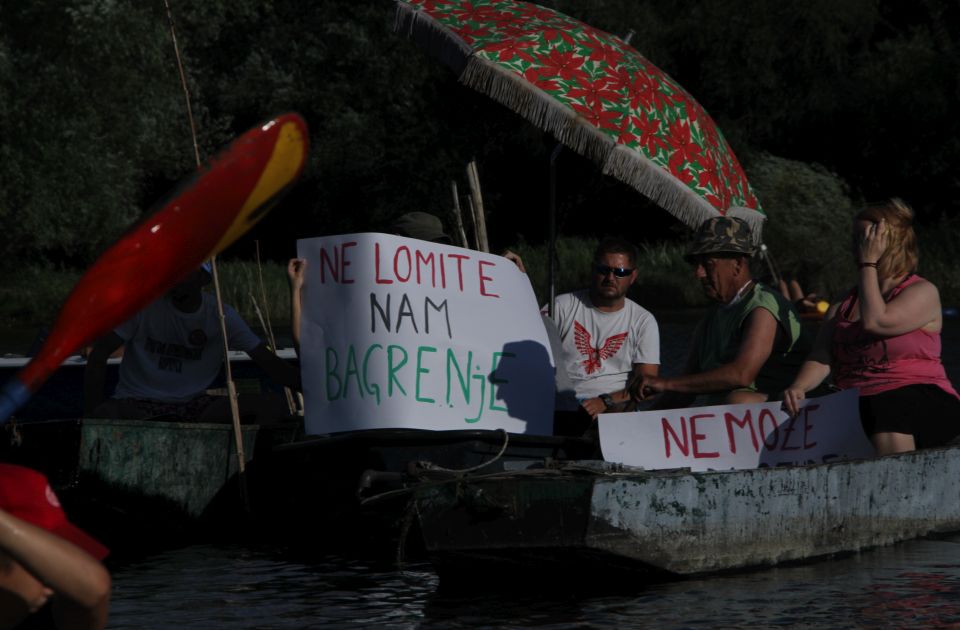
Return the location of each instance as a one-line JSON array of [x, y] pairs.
[[873, 242]]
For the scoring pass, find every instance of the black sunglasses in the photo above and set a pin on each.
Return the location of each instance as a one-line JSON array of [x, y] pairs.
[[619, 272]]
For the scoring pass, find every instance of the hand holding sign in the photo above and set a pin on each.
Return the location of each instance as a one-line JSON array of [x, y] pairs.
[[204, 214], [404, 333]]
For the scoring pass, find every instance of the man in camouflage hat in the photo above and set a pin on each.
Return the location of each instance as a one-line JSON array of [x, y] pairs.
[[749, 345]]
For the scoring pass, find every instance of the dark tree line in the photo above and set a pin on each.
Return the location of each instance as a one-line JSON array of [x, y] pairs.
[[95, 128]]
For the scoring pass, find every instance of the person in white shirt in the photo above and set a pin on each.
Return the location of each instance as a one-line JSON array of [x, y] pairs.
[[173, 353], [608, 339]]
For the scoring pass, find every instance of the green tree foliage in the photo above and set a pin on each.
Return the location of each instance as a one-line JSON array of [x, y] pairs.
[[808, 231], [95, 126], [868, 89], [88, 93]]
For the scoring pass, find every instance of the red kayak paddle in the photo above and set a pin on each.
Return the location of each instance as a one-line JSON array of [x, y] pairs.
[[202, 216]]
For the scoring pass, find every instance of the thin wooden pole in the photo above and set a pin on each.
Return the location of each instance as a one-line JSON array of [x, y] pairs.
[[231, 391], [472, 215], [473, 178], [552, 232], [470, 242], [231, 387], [458, 215], [183, 83]]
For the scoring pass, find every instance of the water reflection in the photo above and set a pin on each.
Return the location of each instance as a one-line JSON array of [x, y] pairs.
[[235, 587], [911, 585]]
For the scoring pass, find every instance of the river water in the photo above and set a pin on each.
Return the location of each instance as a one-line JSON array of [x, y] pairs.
[[910, 585]]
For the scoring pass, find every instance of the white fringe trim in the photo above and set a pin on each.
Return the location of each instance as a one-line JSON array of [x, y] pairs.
[[548, 114], [433, 36], [671, 194], [515, 92]]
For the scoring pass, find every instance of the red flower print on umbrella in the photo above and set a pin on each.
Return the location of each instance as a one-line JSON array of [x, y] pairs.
[[598, 116], [513, 49], [595, 93]]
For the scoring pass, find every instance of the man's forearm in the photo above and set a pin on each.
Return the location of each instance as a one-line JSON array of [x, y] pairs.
[[721, 379]]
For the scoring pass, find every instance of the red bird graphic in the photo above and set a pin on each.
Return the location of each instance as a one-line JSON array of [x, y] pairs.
[[595, 356]]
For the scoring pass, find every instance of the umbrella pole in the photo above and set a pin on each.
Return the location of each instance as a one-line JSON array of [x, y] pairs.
[[771, 265], [552, 231]]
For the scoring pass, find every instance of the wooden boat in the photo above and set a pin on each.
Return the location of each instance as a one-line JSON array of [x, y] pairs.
[[137, 484], [141, 484], [170, 482], [602, 522], [348, 491], [62, 395]]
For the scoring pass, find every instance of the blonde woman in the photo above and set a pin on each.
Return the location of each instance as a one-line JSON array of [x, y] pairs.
[[884, 339]]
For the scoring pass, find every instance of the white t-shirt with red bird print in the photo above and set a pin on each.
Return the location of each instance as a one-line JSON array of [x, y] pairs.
[[600, 348]]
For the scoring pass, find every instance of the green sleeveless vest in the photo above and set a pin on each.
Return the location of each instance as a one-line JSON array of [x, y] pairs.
[[721, 336]]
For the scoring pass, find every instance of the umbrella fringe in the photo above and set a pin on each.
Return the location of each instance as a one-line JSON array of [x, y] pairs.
[[512, 90], [435, 38], [663, 189]]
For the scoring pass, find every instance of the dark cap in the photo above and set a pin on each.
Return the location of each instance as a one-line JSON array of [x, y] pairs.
[[722, 235], [421, 225]]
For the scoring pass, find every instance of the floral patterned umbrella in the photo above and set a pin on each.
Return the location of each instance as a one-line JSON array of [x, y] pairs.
[[595, 93]]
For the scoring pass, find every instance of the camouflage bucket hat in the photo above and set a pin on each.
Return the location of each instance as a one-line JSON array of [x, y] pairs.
[[722, 235]]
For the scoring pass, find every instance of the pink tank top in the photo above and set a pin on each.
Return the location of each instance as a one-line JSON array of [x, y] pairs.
[[877, 364]]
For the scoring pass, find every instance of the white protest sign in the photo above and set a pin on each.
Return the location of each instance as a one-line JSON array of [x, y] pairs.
[[403, 333], [737, 436]]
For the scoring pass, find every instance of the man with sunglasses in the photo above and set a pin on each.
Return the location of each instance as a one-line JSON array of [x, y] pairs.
[[607, 338], [750, 344]]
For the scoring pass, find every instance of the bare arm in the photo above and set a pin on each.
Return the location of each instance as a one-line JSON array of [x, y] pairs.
[[515, 259], [278, 370], [915, 307], [80, 583], [815, 368], [758, 339], [296, 269], [94, 374], [670, 400], [596, 406]]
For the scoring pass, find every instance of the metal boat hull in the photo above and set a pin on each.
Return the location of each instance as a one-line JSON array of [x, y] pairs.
[[681, 523]]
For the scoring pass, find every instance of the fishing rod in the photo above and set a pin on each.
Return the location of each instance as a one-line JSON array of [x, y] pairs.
[[228, 373]]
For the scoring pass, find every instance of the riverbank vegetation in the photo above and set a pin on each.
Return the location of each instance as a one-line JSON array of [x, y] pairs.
[[824, 113], [31, 297]]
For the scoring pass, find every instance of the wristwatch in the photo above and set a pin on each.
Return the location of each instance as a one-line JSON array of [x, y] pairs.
[[607, 400]]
